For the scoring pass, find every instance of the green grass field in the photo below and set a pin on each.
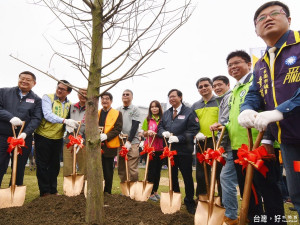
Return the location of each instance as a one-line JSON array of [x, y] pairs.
[[32, 191]]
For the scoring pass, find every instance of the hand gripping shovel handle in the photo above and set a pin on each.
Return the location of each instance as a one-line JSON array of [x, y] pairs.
[[15, 163], [248, 178]]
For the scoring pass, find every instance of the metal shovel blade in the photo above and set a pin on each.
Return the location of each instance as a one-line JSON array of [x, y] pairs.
[[73, 185], [128, 188], [202, 215], [142, 190], [12, 198], [170, 202]]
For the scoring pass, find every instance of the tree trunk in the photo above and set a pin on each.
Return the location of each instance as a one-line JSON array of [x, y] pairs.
[[95, 198]]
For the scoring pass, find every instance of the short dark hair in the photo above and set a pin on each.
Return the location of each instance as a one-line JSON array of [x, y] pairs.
[[107, 94], [179, 93], [29, 73], [268, 4], [222, 78], [128, 90], [69, 89], [204, 79], [239, 53]]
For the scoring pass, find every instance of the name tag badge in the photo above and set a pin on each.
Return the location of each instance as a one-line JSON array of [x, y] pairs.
[[181, 117], [30, 100]]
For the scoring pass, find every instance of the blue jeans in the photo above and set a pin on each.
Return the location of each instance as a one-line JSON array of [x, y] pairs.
[[291, 153], [229, 182]]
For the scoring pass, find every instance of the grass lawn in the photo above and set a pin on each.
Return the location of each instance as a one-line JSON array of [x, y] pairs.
[[32, 191]]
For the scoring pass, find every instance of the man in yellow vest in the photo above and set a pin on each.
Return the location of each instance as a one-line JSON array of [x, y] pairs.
[[49, 137], [112, 122]]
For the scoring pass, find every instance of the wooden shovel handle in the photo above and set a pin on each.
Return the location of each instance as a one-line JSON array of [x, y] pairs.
[[15, 162], [147, 160], [248, 183]]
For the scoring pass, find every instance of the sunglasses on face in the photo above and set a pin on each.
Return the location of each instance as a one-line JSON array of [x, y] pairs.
[[203, 86]]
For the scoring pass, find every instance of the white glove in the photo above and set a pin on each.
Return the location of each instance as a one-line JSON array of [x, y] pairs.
[[128, 145], [173, 139], [71, 123], [166, 134], [15, 121], [69, 129], [247, 117], [23, 135], [200, 137], [264, 118], [103, 137]]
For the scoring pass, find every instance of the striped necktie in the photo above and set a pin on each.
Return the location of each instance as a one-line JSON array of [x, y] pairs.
[[272, 58], [174, 113]]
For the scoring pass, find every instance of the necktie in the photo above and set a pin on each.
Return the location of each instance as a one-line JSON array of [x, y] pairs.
[[272, 58], [174, 113]]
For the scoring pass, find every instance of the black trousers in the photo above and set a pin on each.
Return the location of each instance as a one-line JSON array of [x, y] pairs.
[[184, 164], [108, 172], [200, 177], [266, 189], [22, 159], [47, 163], [154, 171]]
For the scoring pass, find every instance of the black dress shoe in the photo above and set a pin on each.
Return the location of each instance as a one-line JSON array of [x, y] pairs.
[[191, 209]]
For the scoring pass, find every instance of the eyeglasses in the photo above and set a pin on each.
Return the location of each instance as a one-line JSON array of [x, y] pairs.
[[203, 86], [126, 94], [105, 98], [273, 14], [217, 85], [61, 89], [235, 63]]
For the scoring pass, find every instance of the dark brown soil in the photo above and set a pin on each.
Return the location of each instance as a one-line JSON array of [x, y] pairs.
[[71, 210]]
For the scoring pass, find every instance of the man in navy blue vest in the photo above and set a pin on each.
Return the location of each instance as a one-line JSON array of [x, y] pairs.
[[275, 88]]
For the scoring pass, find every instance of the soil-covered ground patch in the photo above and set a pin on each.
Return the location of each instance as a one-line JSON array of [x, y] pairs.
[[71, 210]]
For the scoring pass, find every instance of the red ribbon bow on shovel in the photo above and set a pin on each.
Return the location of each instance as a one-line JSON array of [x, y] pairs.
[[170, 154], [254, 157], [15, 142], [211, 155], [123, 152], [200, 157], [78, 141], [148, 150]]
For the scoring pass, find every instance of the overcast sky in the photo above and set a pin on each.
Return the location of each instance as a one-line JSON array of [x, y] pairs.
[[198, 49]]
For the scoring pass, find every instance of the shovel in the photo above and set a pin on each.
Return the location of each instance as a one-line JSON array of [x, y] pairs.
[[14, 195], [170, 202], [144, 188], [204, 197], [248, 179], [73, 183], [127, 187], [210, 212]]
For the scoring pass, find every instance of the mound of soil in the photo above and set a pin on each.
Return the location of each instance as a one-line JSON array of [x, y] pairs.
[[71, 210]]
